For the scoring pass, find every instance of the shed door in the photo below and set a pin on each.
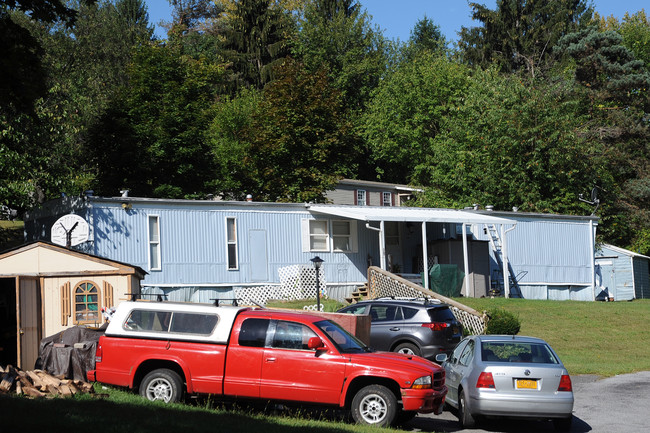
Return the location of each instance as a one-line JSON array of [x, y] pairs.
[[28, 322], [259, 256]]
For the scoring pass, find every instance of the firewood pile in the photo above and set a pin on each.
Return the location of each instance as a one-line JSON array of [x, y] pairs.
[[39, 383]]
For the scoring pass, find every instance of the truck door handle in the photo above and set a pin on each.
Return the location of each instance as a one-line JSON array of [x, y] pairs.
[[394, 329], [271, 359]]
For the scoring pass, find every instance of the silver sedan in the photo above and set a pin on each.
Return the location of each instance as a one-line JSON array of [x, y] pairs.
[[507, 376]]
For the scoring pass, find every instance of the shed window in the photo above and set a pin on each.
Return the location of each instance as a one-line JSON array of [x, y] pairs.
[[154, 243], [86, 303], [231, 243]]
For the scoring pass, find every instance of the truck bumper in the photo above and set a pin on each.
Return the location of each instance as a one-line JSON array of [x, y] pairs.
[[91, 375], [424, 400]]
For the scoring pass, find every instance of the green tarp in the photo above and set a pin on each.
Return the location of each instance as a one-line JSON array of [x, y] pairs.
[[446, 280]]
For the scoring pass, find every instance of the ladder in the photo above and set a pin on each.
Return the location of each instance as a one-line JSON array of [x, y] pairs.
[[498, 281]]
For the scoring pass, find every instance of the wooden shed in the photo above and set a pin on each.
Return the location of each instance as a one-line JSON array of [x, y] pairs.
[[621, 275], [46, 288]]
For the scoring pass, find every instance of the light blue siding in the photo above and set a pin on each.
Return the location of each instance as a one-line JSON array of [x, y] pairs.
[[550, 255], [193, 244], [622, 273]]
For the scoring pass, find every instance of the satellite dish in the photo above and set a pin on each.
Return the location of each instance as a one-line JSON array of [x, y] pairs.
[[69, 230]]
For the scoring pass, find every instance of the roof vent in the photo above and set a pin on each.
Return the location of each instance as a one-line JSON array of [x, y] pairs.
[[124, 192]]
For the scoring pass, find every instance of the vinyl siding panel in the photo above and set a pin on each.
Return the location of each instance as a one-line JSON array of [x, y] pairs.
[[193, 244], [550, 252]]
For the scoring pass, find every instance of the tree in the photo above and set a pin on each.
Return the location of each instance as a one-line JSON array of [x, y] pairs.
[[614, 86], [407, 112], [161, 118], [256, 40], [25, 174], [512, 144], [520, 34], [301, 140], [426, 35], [230, 146], [337, 35], [635, 30], [21, 72]]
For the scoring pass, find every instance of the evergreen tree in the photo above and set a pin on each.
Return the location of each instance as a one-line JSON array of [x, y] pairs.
[[520, 34], [256, 39]]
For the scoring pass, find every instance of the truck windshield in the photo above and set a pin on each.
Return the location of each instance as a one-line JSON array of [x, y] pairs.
[[342, 339]]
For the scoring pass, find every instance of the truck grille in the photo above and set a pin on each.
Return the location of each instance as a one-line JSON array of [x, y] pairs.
[[439, 379]]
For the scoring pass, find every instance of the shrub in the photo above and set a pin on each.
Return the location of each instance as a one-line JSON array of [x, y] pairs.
[[502, 322]]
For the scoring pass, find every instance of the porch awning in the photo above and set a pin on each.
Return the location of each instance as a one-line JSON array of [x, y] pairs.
[[409, 214]]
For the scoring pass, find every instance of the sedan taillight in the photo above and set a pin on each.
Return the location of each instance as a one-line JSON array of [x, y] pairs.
[[565, 383], [437, 326], [485, 380]]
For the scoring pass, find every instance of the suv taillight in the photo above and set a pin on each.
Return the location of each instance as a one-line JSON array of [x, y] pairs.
[[98, 353], [565, 383], [437, 326], [485, 380]]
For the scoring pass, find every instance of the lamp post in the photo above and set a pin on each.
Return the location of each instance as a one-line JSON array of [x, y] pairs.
[[317, 261]]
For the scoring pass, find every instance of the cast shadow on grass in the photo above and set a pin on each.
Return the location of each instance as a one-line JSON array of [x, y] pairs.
[[87, 414]]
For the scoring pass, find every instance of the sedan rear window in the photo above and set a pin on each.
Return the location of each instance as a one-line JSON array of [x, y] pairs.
[[536, 353]]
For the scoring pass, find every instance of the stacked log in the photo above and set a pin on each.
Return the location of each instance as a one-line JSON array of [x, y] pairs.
[[39, 383]]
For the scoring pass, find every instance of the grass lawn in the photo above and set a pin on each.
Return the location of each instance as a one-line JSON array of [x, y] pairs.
[[603, 338], [125, 412]]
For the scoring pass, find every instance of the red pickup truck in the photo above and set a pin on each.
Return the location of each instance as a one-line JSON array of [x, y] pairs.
[[167, 349]]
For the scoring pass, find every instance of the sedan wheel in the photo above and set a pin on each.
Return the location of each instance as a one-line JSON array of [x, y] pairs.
[[464, 416]]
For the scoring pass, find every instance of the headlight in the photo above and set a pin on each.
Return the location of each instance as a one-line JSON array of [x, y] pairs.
[[423, 382]]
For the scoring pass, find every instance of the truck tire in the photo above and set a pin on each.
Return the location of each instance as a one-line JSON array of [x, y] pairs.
[[162, 384], [374, 405]]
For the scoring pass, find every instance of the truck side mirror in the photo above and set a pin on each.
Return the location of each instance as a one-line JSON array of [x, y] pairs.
[[315, 343]]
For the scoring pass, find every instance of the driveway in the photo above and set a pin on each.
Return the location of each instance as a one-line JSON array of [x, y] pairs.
[[617, 404]]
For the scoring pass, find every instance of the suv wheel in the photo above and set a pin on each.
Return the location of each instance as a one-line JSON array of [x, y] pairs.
[[407, 349]]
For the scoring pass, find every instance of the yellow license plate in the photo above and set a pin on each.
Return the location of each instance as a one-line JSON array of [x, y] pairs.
[[526, 384]]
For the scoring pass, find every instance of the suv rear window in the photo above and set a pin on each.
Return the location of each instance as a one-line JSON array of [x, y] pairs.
[[441, 314]]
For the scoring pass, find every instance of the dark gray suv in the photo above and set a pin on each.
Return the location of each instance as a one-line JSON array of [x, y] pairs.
[[417, 327]]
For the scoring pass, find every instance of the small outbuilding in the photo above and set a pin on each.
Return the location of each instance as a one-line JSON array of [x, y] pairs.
[[621, 275], [46, 288]]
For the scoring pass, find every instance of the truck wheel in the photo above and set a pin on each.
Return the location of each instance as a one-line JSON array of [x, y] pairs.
[[162, 384], [374, 405]]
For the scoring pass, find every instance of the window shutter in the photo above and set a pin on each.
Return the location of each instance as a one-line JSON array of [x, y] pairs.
[[356, 196], [304, 232], [108, 295], [65, 303]]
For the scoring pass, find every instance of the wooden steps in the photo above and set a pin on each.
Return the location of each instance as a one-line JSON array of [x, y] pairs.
[[359, 294]]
